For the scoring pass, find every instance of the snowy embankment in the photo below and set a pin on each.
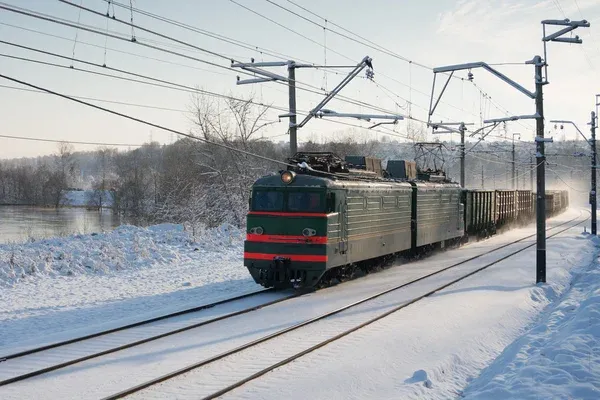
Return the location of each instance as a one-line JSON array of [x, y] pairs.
[[83, 283], [559, 358]]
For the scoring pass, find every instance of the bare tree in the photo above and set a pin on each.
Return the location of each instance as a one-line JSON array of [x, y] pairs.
[[227, 173]]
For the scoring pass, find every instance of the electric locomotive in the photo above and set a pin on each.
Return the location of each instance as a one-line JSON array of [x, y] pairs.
[[323, 216]]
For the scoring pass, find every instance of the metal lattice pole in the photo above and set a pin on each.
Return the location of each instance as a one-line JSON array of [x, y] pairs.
[[540, 275]]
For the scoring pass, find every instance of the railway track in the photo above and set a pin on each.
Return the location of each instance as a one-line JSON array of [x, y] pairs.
[[234, 359], [142, 338]]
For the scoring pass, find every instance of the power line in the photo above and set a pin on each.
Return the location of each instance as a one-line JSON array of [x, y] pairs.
[[347, 99], [142, 121], [223, 38], [560, 9], [341, 97], [590, 33], [101, 100], [131, 24], [91, 30], [154, 125], [115, 50], [163, 83], [166, 84], [53, 19], [372, 45], [175, 86], [179, 87], [285, 27], [70, 141], [565, 183]]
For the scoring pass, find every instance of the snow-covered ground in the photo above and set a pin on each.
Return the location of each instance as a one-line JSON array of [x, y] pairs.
[[434, 349], [495, 335], [559, 357], [83, 283]]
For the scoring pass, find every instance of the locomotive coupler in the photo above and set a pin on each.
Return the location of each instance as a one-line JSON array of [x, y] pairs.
[[280, 268]]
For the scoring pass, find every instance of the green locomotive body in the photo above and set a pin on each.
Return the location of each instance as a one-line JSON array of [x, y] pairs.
[[296, 231]]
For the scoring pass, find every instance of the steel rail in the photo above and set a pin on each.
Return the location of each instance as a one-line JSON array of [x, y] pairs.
[[238, 349], [372, 320], [151, 338], [129, 326]]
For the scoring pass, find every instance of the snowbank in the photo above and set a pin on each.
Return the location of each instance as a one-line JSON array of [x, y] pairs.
[[559, 358], [58, 288], [125, 247]]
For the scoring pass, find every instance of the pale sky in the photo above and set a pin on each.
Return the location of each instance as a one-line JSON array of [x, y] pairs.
[[434, 33]]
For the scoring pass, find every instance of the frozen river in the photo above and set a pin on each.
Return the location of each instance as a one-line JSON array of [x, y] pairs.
[[20, 223]]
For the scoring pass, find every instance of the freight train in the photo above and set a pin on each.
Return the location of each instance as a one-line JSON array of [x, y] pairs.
[[324, 217]]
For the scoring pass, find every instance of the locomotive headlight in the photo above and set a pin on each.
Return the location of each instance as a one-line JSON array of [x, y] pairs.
[[287, 177]]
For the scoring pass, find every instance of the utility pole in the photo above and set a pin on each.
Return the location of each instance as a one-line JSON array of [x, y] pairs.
[[462, 129], [292, 94], [513, 160], [592, 143], [532, 167], [513, 163], [318, 111], [447, 127], [593, 197], [482, 183], [540, 80], [540, 275]]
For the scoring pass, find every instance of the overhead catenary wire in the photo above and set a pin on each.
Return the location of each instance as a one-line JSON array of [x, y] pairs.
[[124, 103], [317, 91], [342, 55], [70, 24], [368, 43], [563, 181], [170, 85], [51, 19], [116, 50], [226, 39], [163, 83], [562, 11], [176, 86], [158, 126], [142, 121], [69, 141], [179, 24], [340, 97]]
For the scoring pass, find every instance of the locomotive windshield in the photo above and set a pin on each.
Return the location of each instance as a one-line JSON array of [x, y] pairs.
[[277, 200], [304, 201], [268, 201]]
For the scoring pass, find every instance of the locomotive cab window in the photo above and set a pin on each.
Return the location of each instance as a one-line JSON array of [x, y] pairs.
[[305, 202], [267, 200]]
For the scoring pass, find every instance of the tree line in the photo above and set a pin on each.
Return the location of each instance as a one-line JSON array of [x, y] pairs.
[[198, 183]]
